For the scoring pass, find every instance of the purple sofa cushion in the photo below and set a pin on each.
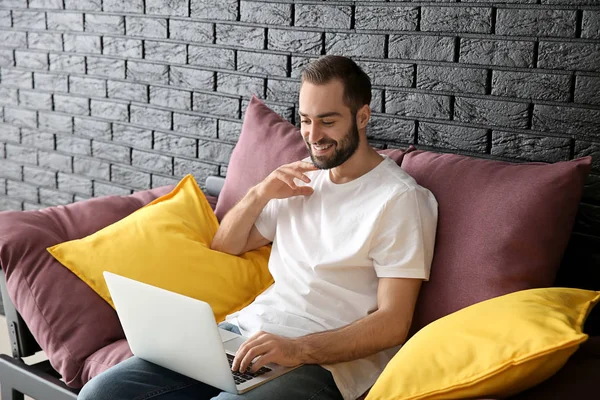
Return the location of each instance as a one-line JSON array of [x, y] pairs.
[[66, 317], [502, 227]]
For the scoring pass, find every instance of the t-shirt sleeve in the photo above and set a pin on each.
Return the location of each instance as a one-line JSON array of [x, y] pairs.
[[403, 241], [266, 223]]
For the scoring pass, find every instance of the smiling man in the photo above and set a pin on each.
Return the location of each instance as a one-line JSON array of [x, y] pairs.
[[353, 239]]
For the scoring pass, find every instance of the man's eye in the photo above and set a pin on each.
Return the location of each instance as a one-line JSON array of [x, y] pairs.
[[305, 121], [328, 123]]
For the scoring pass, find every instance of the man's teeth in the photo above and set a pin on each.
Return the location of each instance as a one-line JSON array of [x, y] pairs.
[[323, 147]]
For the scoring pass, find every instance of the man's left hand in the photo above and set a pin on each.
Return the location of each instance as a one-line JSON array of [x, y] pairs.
[[268, 348]]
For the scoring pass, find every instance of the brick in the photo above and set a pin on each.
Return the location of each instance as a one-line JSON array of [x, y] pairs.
[[581, 122], [128, 91], [569, 56], [91, 128], [160, 181], [5, 18], [294, 41], [22, 190], [20, 117], [376, 100], [240, 84], [9, 133], [13, 38], [73, 145], [174, 52], [152, 117], [491, 112], [395, 17], [532, 22], [167, 7], [497, 52], [99, 23], [314, 15], [244, 36], [191, 78], [214, 151], [86, 5], [31, 60], [104, 189], [217, 105], [456, 19], [417, 104], [388, 74], [50, 82], [35, 100], [130, 6], [229, 130], [171, 98], [8, 96], [109, 110], [111, 151], [132, 136], [587, 89], [14, 3], [146, 27], [45, 41], [20, 154], [212, 57], [37, 139], [39, 176], [16, 78], [54, 197], [106, 67], [214, 9], [8, 204], [54, 122], [190, 31], [87, 86], [453, 137], [451, 79], [72, 104], [130, 177], [65, 21], [175, 144], [584, 149], [388, 128], [130, 48], [358, 45], [431, 48], [50, 159], [195, 125], [146, 72], [266, 13], [56, 4], [74, 184], [198, 169], [529, 147], [29, 19], [6, 58], [282, 90], [262, 63], [67, 63], [9, 169], [527, 85], [152, 161], [82, 43], [590, 26], [32, 206]]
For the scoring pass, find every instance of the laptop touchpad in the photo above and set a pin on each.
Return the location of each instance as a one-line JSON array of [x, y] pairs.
[[232, 345], [227, 335]]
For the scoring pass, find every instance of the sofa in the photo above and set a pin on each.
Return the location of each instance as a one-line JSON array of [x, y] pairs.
[[493, 240]]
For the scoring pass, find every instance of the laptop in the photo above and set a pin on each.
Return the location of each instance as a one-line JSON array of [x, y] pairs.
[[180, 333]]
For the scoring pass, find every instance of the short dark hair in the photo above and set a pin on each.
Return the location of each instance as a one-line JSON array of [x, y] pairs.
[[357, 84]]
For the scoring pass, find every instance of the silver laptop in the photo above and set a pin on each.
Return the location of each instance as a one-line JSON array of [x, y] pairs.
[[180, 333]]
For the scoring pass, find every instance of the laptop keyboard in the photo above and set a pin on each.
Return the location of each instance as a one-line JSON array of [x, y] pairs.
[[241, 377]]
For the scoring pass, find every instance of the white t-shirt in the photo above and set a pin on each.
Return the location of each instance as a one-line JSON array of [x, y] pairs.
[[330, 248]]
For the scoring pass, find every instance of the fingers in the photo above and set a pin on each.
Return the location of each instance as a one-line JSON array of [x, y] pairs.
[[254, 352], [244, 348], [303, 166]]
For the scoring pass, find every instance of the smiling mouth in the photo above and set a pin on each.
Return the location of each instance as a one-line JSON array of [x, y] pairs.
[[322, 148]]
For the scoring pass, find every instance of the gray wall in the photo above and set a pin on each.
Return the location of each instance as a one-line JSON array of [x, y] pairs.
[[108, 97]]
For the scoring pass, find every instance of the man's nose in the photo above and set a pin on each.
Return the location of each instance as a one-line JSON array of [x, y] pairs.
[[313, 134]]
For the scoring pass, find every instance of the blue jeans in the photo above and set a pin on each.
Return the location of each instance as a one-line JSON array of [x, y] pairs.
[[136, 379]]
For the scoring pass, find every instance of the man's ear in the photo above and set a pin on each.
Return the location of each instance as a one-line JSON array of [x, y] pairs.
[[363, 115]]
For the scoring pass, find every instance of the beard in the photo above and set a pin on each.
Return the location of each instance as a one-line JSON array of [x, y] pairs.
[[342, 150]]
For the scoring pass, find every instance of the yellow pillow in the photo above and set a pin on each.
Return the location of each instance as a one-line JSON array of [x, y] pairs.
[[167, 244], [498, 347]]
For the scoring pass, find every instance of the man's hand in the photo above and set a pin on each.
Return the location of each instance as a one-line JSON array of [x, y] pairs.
[[270, 349], [280, 183]]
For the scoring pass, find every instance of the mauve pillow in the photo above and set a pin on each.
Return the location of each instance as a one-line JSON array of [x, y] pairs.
[[71, 323], [267, 141], [502, 227]]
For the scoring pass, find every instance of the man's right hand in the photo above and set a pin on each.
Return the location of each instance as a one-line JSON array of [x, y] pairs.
[[280, 183]]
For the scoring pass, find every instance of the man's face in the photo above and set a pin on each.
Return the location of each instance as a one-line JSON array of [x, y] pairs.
[[327, 124]]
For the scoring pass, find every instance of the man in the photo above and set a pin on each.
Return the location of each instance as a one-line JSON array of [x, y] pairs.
[[353, 239]]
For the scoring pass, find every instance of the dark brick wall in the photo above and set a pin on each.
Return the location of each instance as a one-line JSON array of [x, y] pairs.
[[103, 97]]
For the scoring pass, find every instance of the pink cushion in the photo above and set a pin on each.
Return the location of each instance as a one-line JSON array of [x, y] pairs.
[[71, 323], [502, 227]]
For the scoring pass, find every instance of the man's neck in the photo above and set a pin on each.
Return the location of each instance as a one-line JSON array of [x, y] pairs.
[[362, 161]]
